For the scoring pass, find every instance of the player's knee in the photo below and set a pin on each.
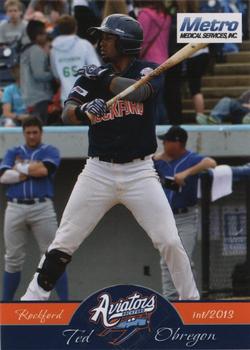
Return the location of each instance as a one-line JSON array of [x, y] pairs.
[[53, 267]]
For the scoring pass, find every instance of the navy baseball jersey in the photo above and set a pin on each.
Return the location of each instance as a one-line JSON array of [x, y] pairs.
[[187, 196], [128, 129], [33, 187]]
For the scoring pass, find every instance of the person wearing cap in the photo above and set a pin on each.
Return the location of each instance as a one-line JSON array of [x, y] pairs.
[[178, 169]]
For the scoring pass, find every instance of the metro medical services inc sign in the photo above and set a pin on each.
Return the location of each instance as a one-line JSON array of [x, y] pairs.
[[209, 27]]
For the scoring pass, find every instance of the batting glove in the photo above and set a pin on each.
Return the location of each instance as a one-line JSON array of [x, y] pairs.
[[97, 107], [92, 71], [104, 75]]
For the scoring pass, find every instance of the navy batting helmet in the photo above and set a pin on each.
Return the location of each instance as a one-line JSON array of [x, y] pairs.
[[127, 29]]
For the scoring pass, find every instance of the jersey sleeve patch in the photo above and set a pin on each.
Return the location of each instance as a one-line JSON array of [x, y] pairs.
[[79, 90]]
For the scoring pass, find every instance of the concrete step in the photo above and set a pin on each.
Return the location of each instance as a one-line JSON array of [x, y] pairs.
[[226, 80], [241, 57], [231, 68], [219, 92], [187, 104], [245, 46]]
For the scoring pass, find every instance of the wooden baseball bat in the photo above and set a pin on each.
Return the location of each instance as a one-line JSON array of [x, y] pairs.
[[172, 61]]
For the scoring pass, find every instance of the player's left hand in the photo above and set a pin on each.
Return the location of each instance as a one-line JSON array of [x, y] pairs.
[[96, 107]]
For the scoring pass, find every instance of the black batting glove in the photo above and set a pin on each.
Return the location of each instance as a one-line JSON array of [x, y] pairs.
[[96, 107], [104, 75]]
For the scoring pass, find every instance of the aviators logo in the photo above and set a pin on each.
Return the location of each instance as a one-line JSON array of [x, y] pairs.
[[124, 317]]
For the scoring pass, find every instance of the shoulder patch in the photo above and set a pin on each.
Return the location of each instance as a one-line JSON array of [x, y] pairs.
[[78, 89]]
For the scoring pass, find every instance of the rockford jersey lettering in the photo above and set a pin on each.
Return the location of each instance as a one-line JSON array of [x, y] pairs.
[[121, 109]]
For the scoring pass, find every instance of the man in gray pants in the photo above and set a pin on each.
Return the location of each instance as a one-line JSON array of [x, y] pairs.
[[178, 169], [28, 171]]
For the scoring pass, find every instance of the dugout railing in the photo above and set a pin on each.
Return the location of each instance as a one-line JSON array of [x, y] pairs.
[[225, 259]]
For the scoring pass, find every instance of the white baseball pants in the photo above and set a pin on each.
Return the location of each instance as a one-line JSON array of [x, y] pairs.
[[102, 185]]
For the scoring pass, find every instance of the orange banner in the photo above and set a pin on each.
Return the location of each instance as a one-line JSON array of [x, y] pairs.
[[37, 313], [22, 313]]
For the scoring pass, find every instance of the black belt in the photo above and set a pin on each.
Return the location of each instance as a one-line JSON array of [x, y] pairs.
[[27, 201], [180, 210], [119, 160]]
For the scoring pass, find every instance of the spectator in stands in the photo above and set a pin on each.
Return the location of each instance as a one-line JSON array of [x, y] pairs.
[[85, 17], [178, 169], [69, 53], [173, 77], [13, 107], [14, 27], [28, 170], [156, 23], [36, 76], [215, 49], [230, 109], [196, 65]]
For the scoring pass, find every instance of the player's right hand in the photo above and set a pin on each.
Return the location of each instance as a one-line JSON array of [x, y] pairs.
[[97, 107], [103, 74], [92, 71]]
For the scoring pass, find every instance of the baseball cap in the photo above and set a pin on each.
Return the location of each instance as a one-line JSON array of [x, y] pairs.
[[174, 134]]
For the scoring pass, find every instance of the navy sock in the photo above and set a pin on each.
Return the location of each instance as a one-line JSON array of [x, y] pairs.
[[62, 287], [10, 284]]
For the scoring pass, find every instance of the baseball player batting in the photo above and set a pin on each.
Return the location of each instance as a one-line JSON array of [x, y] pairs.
[[120, 167]]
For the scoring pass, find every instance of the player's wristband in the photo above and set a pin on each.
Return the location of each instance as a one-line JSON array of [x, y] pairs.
[[23, 168], [80, 114]]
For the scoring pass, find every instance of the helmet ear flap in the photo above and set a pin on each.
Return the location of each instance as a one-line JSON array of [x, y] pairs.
[[118, 45]]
